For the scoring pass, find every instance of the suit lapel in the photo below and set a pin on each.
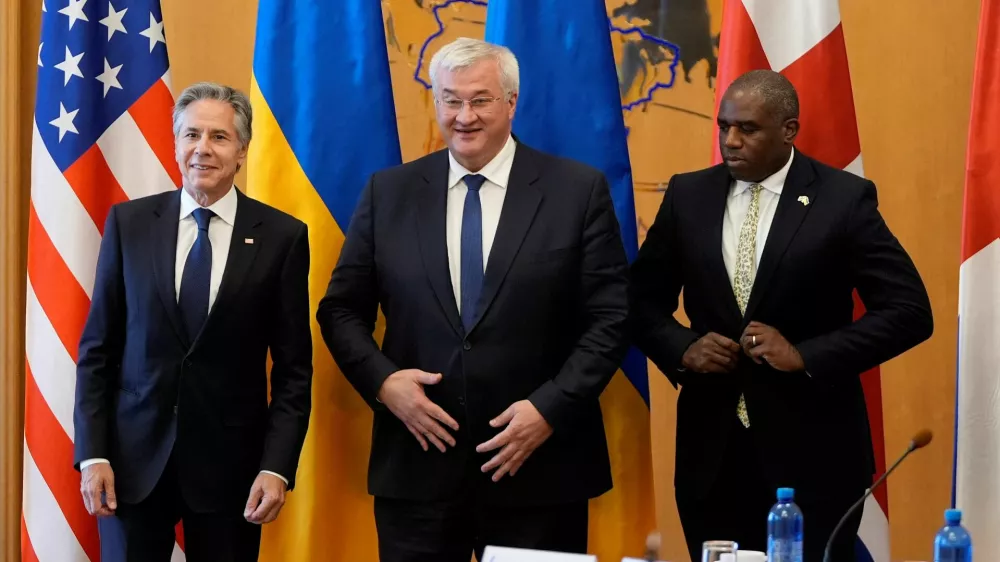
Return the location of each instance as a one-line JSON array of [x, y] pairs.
[[787, 219], [715, 208], [165, 225], [240, 258], [432, 232], [519, 207]]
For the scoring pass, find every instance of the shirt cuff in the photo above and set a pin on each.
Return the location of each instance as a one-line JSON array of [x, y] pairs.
[[283, 479], [89, 462]]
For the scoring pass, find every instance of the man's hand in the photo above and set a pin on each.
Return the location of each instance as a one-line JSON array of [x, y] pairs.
[[267, 496], [96, 479], [526, 431], [403, 393], [764, 343], [711, 354]]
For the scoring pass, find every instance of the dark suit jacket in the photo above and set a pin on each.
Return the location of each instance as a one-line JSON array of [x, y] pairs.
[[550, 326], [811, 432], [144, 391]]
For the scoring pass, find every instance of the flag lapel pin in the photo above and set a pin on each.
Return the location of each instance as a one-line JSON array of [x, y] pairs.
[[248, 240], [804, 200]]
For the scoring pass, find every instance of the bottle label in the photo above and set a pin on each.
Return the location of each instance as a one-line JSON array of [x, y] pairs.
[[782, 550]]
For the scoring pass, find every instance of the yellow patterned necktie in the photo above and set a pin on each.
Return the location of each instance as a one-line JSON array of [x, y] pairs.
[[746, 269]]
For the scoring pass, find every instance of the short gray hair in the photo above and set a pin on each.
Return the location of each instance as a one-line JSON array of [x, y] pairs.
[[212, 91], [465, 52]]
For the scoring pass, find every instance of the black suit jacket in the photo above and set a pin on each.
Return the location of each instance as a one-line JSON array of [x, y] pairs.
[[811, 430], [550, 326], [145, 390]]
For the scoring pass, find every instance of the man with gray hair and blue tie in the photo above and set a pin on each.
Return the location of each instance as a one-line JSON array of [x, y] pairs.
[[502, 277]]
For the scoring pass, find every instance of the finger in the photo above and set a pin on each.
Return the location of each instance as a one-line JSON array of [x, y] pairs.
[[433, 440], [503, 456], [505, 417], [418, 435], [502, 471], [109, 489], [266, 503], [256, 492], [273, 513], [517, 461], [95, 499], [103, 511], [724, 350], [434, 431], [724, 342], [499, 440], [429, 378], [438, 413], [723, 358], [85, 494]]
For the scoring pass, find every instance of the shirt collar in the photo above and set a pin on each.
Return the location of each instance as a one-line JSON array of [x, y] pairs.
[[224, 208], [773, 183], [497, 171]]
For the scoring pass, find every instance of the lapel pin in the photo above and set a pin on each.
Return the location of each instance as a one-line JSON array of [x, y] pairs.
[[250, 240], [804, 200]]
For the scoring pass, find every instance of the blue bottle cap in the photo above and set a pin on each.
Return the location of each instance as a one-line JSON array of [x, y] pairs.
[[786, 494], [953, 516]]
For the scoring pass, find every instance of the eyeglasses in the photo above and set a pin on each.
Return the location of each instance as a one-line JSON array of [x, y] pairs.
[[480, 105]]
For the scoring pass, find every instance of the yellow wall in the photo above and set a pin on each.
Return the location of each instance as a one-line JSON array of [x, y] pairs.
[[911, 67]]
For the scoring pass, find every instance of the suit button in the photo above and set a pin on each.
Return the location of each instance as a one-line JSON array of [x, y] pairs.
[[461, 400], [466, 345], [175, 409]]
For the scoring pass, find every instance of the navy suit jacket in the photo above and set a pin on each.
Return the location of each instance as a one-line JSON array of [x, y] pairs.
[[146, 391], [549, 326]]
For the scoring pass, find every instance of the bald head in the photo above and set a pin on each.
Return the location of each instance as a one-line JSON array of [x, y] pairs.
[[774, 91]]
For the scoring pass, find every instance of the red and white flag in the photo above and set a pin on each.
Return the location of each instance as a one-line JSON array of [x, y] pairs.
[[977, 458], [102, 135], [804, 41]]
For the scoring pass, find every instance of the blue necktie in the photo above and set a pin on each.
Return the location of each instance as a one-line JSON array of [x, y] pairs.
[[472, 249], [197, 277]]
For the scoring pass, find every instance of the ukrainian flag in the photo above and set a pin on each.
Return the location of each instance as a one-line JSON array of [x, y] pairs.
[[570, 105], [323, 122]]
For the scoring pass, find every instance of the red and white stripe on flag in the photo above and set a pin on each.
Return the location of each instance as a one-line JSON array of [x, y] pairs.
[[102, 135], [804, 41], [977, 466]]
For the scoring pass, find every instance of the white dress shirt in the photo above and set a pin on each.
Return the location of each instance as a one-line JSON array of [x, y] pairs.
[[737, 206], [220, 234], [491, 196]]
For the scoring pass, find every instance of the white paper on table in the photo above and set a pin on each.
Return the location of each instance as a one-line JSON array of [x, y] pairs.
[[504, 554]]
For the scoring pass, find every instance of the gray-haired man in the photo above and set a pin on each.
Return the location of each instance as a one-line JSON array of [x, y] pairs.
[[501, 273], [193, 288]]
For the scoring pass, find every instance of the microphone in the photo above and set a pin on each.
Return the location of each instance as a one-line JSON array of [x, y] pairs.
[[652, 547], [919, 441]]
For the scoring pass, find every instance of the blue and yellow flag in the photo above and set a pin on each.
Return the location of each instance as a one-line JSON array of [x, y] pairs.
[[323, 122], [570, 105]]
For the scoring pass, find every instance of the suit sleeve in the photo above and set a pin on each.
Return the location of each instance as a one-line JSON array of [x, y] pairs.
[[657, 279], [291, 371], [601, 347], [348, 311], [100, 353], [898, 312]]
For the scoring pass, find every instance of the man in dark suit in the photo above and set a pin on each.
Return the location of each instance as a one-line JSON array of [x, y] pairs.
[[768, 249], [502, 277], [193, 288]]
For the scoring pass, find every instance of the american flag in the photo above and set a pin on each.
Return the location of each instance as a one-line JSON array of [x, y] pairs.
[[102, 135]]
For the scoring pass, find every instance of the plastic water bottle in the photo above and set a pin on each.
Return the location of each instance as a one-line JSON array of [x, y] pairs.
[[953, 543], [784, 529]]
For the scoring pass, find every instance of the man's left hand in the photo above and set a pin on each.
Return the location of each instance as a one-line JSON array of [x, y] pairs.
[[267, 496], [526, 431], [764, 343]]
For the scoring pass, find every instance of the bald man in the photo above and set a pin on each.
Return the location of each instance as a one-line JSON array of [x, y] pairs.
[[768, 248]]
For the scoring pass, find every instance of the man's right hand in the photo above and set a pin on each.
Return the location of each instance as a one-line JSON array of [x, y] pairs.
[[711, 354], [403, 393], [96, 479]]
